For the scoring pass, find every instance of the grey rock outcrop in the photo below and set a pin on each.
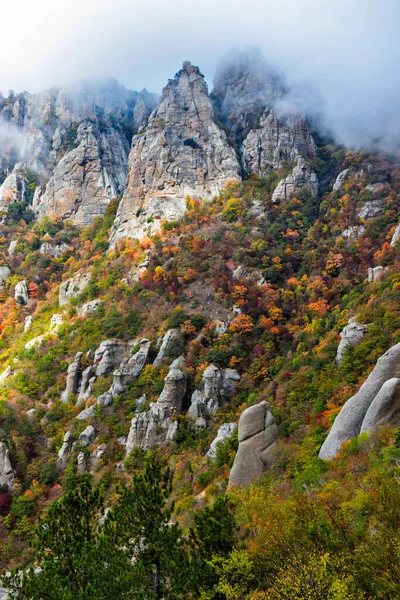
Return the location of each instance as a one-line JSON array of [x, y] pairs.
[[109, 355], [340, 179], [224, 432], [73, 140], [86, 385], [6, 373], [217, 385], [258, 434], [251, 100], [370, 209], [12, 247], [353, 233], [71, 288], [396, 236], [157, 425], [88, 176], [351, 335], [278, 140], [21, 293], [128, 371], [349, 422], [171, 340], [242, 272], [65, 451], [6, 471], [375, 274], [13, 188], [87, 436], [28, 322], [73, 376], [87, 413], [385, 407], [4, 273], [302, 176], [53, 249], [181, 153], [81, 466], [89, 307]]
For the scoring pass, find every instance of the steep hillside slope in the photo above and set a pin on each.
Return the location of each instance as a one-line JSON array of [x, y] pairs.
[[237, 305]]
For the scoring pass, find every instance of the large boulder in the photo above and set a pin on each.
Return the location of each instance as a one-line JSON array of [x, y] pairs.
[[385, 407], [182, 152], [351, 336], [349, 422], [71, 288], [258, 434], [157, 425], [6, 471]]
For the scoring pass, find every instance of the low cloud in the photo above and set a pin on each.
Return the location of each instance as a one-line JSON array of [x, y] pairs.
[[340, 57]]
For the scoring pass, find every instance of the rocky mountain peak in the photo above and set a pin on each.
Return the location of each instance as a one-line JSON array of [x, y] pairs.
[[245, 83], [181, 153]]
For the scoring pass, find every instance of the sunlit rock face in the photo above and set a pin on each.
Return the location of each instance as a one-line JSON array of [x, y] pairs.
[[181, 152], [67, 150], [376, 403]]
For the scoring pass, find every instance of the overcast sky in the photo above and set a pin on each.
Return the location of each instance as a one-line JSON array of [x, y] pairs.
[[348, 50]]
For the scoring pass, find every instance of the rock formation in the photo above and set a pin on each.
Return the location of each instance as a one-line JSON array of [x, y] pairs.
[[340, 179], [396, 236], [182, 152], [379, 393], [157, 425], [171, 340], [217, 386], [73, 376], [375, 274], [224, 432], [109, 355], [251, 101], [258, 434], [55, 323], [6, 470], [53, 249], [351, 336], [71, 288], [302, 176], [4, 273], [65, 451], [86, 385], [75, 145], [128, 371], [87, 436], [21, 293]]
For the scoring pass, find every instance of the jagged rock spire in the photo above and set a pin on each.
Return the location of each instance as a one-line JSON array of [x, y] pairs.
[[182, 152]]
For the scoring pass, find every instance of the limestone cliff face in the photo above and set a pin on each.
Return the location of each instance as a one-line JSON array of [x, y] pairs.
[[72, 147], [251, 101], [181, 152]]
